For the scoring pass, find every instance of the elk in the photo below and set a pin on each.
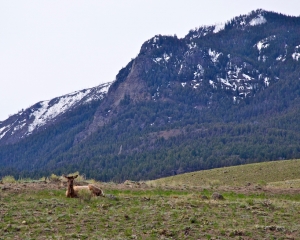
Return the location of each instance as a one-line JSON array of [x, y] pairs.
[[72, 191]]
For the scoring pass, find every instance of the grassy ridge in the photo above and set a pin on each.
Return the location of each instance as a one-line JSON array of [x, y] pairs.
[[257, 173]]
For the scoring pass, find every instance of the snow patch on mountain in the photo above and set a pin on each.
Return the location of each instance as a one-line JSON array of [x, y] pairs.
[[48, 111], [51, 109], [164, 57], [157, 60], [279, 58], [296, 54], [257, 20], [192, 45], [200, 32], [225, 82], [214, 55], [199, 72], [252, 19], [264, 43], [247, 77], [213, 84], [267, 81], [4, 130], [219, 27]]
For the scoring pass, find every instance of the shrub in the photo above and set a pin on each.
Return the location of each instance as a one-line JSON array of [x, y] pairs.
[[84, 195], [8, 179], [80, 178], [54, 178]]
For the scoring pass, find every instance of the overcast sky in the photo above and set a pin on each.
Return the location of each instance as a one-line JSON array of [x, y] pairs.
[[49, 48]]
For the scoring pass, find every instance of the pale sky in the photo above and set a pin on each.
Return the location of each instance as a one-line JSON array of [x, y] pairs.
[[49, 48]]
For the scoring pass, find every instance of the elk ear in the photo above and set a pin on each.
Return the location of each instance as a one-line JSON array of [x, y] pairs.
[[65, 176], [76, 176]]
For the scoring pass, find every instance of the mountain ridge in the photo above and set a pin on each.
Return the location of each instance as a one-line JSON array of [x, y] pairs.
[[223, 95]]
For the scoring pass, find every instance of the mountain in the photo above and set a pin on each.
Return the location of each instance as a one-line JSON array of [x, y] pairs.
[[225, 94]]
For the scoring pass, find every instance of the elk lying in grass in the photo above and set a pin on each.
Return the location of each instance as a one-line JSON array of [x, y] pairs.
[[72, 191]]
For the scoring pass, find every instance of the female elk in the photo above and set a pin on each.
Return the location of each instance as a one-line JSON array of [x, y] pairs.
[[72, 191]]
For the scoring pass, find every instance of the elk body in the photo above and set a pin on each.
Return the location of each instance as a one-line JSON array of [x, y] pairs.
[[72, 191]]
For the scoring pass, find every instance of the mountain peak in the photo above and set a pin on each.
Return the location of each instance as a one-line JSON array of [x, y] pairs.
[[252, 19]]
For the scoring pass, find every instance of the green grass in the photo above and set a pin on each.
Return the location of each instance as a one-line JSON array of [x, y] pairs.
[[163, 211], [49, 214]]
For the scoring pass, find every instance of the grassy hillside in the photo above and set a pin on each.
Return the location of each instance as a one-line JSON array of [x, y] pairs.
[[266, 173]]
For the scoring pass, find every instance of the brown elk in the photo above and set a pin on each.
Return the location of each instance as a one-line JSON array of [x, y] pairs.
[[72, 191]]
